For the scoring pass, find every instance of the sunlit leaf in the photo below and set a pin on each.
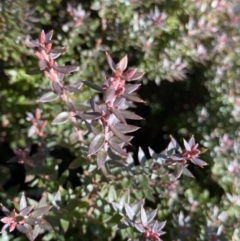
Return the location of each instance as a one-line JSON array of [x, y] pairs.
[[96, 144], [61, 118]]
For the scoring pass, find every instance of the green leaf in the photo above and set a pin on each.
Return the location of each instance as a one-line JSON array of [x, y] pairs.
[[61, 118], [112, 195]]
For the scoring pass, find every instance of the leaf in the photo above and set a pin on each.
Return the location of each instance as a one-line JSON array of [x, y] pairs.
[[130, 213], [134, 98], [112, 195], [139, 227], [25, 211], [118, 115], [136, 76], [48, 97], [130, 115], [76, 163], [198, 162], [143, 216], [34, 71], [110, 62], [49, 35], [191, 142], [73, 138], [186, 172], [178, 169], [39, 212], [126, 128], [122, 65], [96, 144], [56, 87], [58, 50], [129, 73], [109, 94], [151, 215], [187, 146], [43, 201], [93, 86], [31, 131], [66, 69], [94, 106], [89, 115], [117, 207], [45, 225], [64, 224], [101, 158], [131, 88], [33, 221], [42, 64], [117, 148], [22, 228], [5, 210], [119, 134], [143, 180], [61, 118]]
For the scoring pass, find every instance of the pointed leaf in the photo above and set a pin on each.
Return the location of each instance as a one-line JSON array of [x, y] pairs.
[[89, 116], [122, 65], [5, 210], [137, 76], [129, 73], [25, 211], [101, 158], [66, 69], [56, 87], [112, 195], [109, 94], [31, 131], [22, 228], [131, 88], [126, 128], [117, 148], [39, 212], [143, 216], [94, 106], [191, 142], [118, 115], [110, 62], [93, 86], [198, 162], [130, 213], [130, 115], [61, 118], [186, 172], [117, 207], [76, 163], [96, 144], [58, 50], [136, 207], [187, 146], [48, 97], [134, 98], [119, 134], [139, 227], [151, 215]]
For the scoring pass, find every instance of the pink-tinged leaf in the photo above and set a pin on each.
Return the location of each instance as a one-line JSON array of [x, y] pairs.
[[109, 94], [126, 128], [25, 211], [38, 55], [31, 131], [40, 212], [174, 145], [96, 144], [42, 37], [119, 101], [12, 227], [117, 148], [54, 56], [33, 43], [131, 88], [191, 142], [42, 64], [187, 146], [129, 74], [93, 86], [110, 62], [6, 220], [119, 134], [144, 217], [49, 36], [130, 115], [198, 162], [5, 226], [66, 69], [122, 65], [134, 98], [23, 202], [101, 158], [61, 118], [129, 211], [57, 87], [137, 76], [5, 210], [119, 115], [48, 97]]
